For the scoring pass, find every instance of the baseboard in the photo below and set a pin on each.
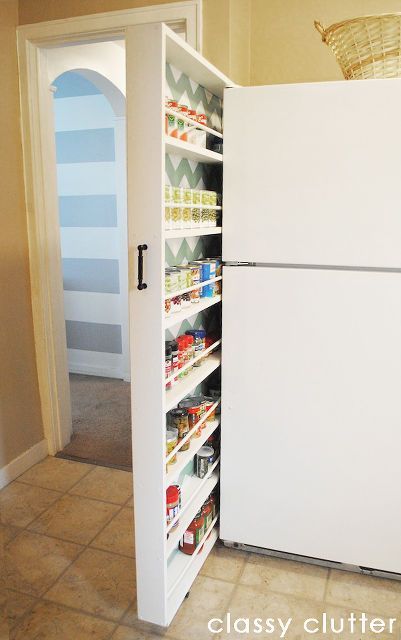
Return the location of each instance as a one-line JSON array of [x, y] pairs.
[[21, 464], [94, 370]]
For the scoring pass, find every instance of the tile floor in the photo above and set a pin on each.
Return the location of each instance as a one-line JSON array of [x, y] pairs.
[[70, 570]]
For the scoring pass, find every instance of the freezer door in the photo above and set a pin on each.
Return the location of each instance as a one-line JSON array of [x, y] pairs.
[[311, 413], [312, 174]]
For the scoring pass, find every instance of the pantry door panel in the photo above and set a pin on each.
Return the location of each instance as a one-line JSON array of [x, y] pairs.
[[312, 174], [311, 413]]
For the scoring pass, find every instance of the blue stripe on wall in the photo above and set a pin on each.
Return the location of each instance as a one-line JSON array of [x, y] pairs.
[[86, 145], [92, 336], [91, 274], [88, 211], [71, 84]]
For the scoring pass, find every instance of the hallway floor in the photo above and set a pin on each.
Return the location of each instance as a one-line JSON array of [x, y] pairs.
[[70, 559], [101, 421]]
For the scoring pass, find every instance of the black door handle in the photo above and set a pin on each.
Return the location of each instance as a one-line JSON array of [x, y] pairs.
[[141, 283]]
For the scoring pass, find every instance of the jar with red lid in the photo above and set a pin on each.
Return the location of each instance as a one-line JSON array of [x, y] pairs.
[[207, 512], [193, 535], [172, 504], [209, 402]]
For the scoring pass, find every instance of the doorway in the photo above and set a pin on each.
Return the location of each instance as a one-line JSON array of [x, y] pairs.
[[90, 156]]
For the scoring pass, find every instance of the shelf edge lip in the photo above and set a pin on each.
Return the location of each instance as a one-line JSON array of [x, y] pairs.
[[195, 555], [170, 321], [181, 517], [216, 361], [177, 470], [198, 358], [203, 153], [200, 285]]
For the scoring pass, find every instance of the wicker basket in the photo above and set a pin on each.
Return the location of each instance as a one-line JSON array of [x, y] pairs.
[[366, 47]]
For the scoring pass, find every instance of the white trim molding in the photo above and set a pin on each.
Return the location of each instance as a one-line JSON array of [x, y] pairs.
[[25, 461], [34, 44]]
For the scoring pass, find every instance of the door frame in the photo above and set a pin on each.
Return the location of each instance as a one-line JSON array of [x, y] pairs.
[[39, 165]]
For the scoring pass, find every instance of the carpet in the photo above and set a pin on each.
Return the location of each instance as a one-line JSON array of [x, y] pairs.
[[101, 422]]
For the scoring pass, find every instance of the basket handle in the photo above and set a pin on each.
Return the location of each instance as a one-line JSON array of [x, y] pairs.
[[321, 30]]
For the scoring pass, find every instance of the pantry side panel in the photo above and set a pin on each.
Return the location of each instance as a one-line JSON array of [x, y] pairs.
[[145, 99], [311, 413]]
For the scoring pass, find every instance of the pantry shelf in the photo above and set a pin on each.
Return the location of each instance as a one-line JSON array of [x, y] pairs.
[[195, 125], [194, 493], [193, 361], [200, 285], [191, 233], [184, 457], [215, 207], [184, 314], [190, 151], [181, 564], [186, 385]]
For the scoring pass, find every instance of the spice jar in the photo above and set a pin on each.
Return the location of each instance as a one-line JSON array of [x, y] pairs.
[[193, 535], [172, 504], [174, 360], [168, 363], [194, 407], [171, 443], [179, 419]]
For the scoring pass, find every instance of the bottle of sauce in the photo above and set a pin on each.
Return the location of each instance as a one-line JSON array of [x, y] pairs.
[[193, 535]]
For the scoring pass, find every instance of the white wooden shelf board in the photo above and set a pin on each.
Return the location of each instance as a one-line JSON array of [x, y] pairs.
[[183, 569], [193, 362], [194, 493], [181, 55], [192, 152], [191, 432], [171, 234], [195, 125], [186, 385], [184, 457], [200, 285], [188, 312]]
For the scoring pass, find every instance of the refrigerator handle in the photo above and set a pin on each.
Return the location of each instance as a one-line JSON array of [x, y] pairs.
[[141, 283]]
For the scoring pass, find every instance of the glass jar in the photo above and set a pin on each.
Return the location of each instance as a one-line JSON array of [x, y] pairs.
[[167, 218], [195, 217], [168, 193], [196, 196], [205, 218], [178, 418], [171, 443]]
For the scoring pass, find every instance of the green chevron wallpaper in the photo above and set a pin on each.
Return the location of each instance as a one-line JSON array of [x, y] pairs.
[[186, 173]]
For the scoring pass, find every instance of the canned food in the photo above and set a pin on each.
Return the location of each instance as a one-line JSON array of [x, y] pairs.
[[213, 198], [176, 304], [167, 218], [202, 459], [187, 196], [209, 402], [179, 420], [167, 307], [186, 218], [195, 217], [196, 196], [167, 193], [178, 195], [171, 125], [186, 276], [205, 197], [176, 218], [205, 217], [171, 443]]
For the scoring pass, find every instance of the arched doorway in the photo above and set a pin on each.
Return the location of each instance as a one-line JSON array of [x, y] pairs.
[[89, 114]]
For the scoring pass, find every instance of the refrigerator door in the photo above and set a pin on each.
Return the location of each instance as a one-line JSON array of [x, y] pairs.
[[312, 174], [311, 413]]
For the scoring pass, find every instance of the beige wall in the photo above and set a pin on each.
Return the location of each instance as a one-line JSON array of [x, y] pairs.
[[285, 46], [20, 417]]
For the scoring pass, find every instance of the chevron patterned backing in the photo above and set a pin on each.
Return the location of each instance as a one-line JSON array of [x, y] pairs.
[[186, 173]]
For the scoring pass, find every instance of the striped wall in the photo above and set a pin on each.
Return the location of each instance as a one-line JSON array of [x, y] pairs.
[[89, 227]]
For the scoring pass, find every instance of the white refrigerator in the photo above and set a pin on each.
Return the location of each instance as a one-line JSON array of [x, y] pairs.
[[311, 362]]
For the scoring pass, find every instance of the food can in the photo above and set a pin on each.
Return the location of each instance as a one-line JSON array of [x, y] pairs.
[[187, 196], [168, 193], [167, 218], [171, 125], [202, 459], [186, 218], [181, 129], [186, 276], [171, 443], [195, 217], [205, 217], [176, 217], [178, 195], [205, 197], [196, 196], [173, 276], [209, 402], [213, 198], [196, 276]]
